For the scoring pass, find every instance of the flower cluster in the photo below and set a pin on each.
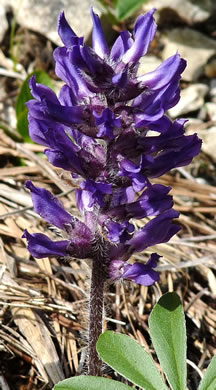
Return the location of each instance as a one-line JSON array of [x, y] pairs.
[[108, 127]]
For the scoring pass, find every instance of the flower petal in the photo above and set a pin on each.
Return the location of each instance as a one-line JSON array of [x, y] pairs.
[[144, 32], [48, 206], [119, 232], [121, 45], [156, 231], [166, 73], [99, 43], [138, 272], [106, 122], [69, 73], [67, 35], [90, 193], [39, 245], [131, 170], [143, 273], [41, 92], [153, 201]]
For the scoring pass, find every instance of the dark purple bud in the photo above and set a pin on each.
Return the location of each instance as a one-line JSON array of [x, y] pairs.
[[81, 239]]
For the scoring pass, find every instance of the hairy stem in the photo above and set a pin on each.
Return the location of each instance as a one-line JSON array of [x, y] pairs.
[[95, 317]]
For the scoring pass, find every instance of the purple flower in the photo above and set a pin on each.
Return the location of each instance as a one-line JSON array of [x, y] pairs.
[[144, 32], [137, 272], [158, 230], [134, 172], [47, 106], [98, 129], [52, 210], [106, 123], [39, 245], [91, 193], [153, 201], [119, 232], [49, 207], [98, 39]]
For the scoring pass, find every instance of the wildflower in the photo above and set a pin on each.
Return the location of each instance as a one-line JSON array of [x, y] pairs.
[[98, 129], [137, 272]]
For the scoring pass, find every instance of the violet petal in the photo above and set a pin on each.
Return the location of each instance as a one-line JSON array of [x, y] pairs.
[[48, 206], [40, 246]]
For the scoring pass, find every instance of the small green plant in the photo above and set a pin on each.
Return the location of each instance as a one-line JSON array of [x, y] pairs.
[[118, 11], [128, 358]]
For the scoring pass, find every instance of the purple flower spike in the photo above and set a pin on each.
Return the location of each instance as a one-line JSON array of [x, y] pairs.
[[40, 246], [99, 129], [48, 206], [81, 239]]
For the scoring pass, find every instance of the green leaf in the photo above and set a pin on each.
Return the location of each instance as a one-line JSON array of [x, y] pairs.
[[168, 333], [22, 125], [209, 380], [126, 8], [83, 382], [23, 97], [130, 360]]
